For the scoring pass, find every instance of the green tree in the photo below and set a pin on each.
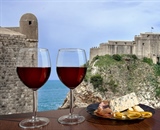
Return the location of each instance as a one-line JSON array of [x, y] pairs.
[[117, 57], [96, 80]]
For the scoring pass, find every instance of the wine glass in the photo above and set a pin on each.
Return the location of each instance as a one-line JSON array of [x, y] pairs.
[[71, 69], [33, 69]]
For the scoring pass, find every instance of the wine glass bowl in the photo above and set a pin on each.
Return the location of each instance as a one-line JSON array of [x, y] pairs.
[[71, 69], [33, 69]]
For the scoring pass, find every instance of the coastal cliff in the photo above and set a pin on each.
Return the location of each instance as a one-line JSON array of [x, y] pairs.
[[114, 76]]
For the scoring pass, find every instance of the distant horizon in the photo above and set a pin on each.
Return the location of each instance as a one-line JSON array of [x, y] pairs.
[[53, 79]]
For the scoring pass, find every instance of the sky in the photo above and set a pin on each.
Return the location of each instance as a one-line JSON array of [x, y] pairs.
[[83, 23]]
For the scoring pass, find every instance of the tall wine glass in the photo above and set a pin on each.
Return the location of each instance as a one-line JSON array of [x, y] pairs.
[[33, 69], [71, 69]]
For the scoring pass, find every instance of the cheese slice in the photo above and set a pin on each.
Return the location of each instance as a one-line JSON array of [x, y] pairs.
[[138, 109], [124, 102]]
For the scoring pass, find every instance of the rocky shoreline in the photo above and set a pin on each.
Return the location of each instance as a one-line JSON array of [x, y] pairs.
[[85, 94]]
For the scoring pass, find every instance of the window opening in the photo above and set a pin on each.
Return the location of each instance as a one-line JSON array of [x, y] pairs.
[[30, 22]]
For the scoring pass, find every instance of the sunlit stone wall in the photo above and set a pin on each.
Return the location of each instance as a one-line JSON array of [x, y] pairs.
[[144, 45], [15, 97]]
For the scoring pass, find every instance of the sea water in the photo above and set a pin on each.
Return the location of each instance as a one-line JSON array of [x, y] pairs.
[[51, 95]]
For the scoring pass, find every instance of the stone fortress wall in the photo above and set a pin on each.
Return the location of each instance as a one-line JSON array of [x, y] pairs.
[[143, 45], [15, 97]]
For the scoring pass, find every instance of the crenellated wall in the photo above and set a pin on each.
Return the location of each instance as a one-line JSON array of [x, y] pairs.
[[144, 45]]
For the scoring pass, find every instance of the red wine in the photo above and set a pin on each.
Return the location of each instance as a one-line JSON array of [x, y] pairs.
[[71, 76], [33, 77]]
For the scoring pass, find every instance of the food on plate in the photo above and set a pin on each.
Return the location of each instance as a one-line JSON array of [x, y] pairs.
[[124, 102], [120, 115], [138, 108], [133, 115], [146, 114], [104, 110], [125, 107]]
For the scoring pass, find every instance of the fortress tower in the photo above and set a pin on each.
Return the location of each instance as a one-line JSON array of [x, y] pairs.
[[15, 97], [143, 45], [29, 26]]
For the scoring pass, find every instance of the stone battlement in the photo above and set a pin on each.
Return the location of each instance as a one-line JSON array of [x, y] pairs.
[[144, 45]]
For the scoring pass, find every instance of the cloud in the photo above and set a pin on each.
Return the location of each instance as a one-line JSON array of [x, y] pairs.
[[83, 23]]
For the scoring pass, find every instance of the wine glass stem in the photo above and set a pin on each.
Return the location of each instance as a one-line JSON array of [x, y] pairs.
[[34, 105], [71, 102]]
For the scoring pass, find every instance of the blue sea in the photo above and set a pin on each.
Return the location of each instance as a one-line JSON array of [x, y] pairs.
[[51, 95]]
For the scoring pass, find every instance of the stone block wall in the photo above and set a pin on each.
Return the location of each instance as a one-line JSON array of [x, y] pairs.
[[15, 97], [144, 45]]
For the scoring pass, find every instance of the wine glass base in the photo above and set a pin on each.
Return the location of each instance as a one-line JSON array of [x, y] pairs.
[[31, 123], [71, 120]]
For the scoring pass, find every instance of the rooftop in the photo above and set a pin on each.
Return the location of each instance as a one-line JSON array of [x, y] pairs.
[[8, 31]]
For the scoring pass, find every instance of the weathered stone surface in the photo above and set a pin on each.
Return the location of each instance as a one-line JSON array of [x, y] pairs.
[[15, 97], [84, 94]]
